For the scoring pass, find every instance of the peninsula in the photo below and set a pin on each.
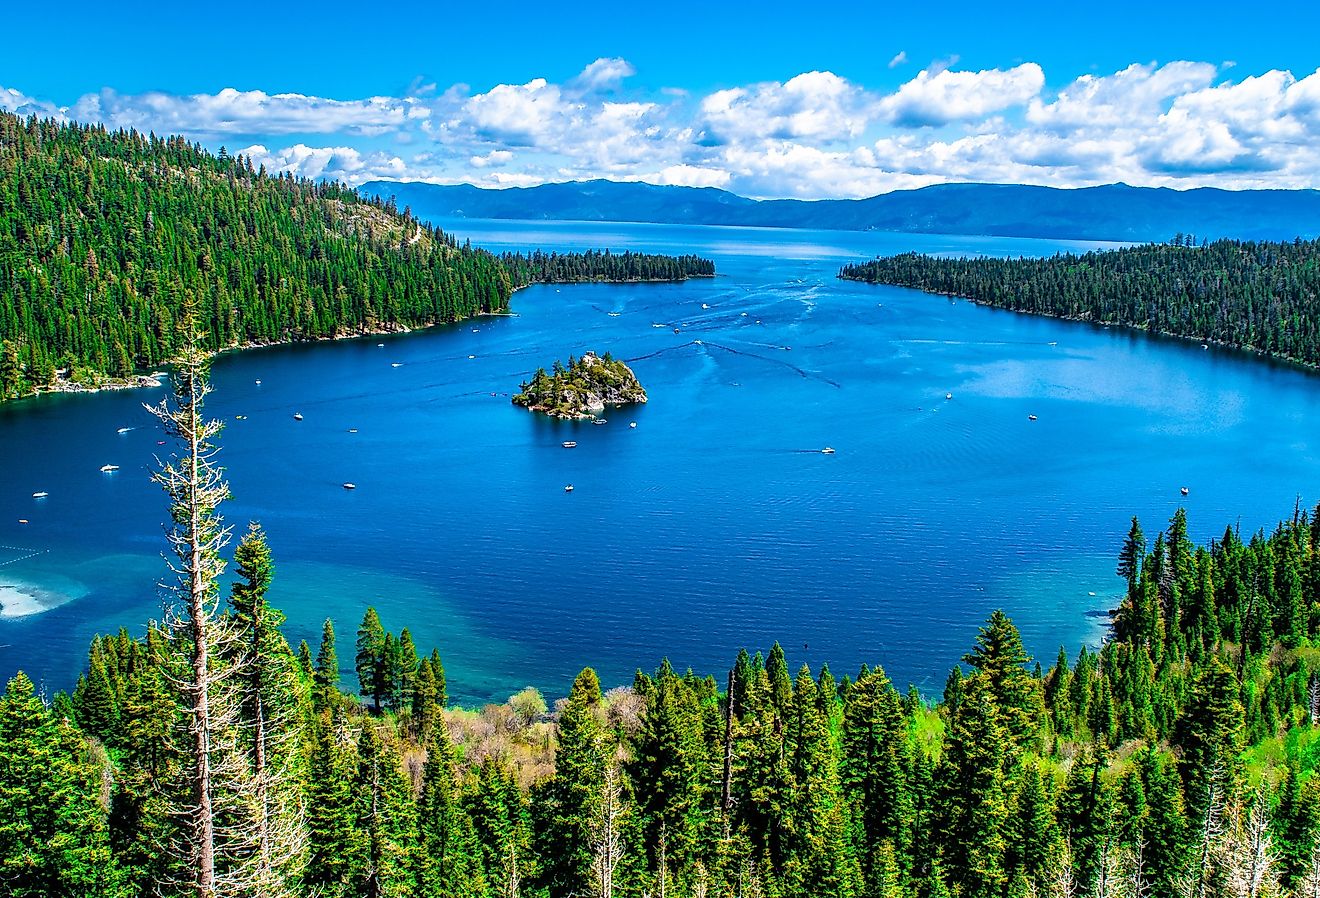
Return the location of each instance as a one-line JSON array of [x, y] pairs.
[[582, 389]]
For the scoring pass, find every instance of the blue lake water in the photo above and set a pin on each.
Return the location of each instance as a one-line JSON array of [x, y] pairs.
[[716, 523]]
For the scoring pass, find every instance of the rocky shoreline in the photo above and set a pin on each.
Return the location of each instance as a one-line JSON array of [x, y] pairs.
[[583, 389]]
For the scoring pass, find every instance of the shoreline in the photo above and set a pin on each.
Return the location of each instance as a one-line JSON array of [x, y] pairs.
[[1309, 367], [158, 378]]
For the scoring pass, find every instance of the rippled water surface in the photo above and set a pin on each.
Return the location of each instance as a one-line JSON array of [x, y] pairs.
[[716, 522]]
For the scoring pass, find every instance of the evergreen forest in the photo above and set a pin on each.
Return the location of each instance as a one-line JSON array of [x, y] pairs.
[[105, 236], [206, 756], [1258, 296]]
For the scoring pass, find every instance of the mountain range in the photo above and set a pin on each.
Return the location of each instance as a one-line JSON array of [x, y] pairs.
[[1111, 212]]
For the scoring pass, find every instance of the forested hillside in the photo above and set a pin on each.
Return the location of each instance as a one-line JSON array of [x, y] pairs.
[[104, 236], [1259, 296], [207, 757]]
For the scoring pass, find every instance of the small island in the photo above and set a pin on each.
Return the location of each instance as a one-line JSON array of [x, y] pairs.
[[581, 389]]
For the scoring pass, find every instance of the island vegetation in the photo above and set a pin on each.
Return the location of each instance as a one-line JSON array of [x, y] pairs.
[[106, 235], [207, 757], [582, 389], [1258, 296], [603, 266]]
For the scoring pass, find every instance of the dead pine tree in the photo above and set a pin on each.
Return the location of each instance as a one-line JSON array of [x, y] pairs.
[[196, 487], [607, 833]]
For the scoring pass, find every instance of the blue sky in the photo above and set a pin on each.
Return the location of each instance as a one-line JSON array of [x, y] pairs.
[[764, 99]]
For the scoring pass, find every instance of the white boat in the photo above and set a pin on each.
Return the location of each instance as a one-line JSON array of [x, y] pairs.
[[569, 488], [1031, 417], [258, 383], [705, 305], [570, 444], [396, 364], [350, 486], [106, 469], [240, 417], [827, 451], [40, 495], [613, 314], [472, 357], [948, 395], [124, 430], [599, 421], [1184, 491], [633, 425], [297, 416], [352, 430]]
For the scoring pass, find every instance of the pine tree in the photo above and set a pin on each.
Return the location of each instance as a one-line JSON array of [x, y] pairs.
[[269, 712], [999, 657], [327, 660], [195, 487], [569, 805], [332, 840], [372, 642], [385, 820], [448, 859], [874, 768], [54, 837], [972, 801]]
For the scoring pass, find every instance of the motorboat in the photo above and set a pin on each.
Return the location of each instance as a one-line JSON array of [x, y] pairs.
[[1031, 417], [40, 494], [297, 416], [350, 486], [570, 444], [569, 488], [106, 469], [828, 450]]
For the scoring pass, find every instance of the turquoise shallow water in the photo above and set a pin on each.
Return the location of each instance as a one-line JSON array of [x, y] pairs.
[[716, 522]]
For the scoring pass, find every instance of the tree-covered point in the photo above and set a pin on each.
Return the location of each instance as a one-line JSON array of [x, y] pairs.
[[104, 235], [1257, 296], [573, 268], [585, 386]]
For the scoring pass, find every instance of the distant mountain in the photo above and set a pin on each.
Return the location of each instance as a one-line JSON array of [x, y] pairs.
[[1112, 212]]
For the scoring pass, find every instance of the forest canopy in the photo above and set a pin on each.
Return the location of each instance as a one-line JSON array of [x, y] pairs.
[[1259, 296], [106, 235]]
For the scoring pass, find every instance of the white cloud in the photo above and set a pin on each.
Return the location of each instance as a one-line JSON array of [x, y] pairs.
[[811, 105], [604, 74], [494, 157], [816, 134], [938, 98], [899, 58], [1138, 92], [337, 163], [687, 176]]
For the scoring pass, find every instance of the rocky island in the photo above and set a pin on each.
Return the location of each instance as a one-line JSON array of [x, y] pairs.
[[581, 389]]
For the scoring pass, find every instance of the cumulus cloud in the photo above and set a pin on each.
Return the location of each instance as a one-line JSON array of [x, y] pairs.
[[815, 134], [811, 105], [336, 163], [938, 98], [605, 73]]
